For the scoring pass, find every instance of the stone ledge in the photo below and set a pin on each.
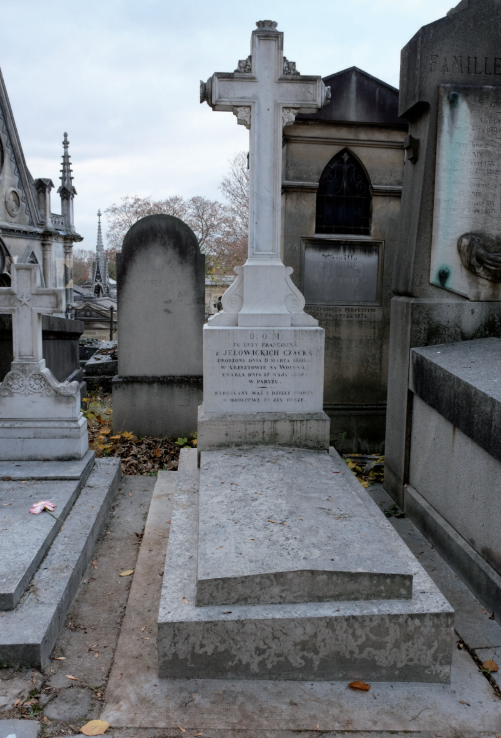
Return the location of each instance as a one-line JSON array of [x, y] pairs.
[[462, 381], [28, 633], [304, 430]]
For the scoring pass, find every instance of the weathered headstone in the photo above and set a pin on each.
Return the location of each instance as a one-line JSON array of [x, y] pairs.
[[161, 301], [447, 271], [263, 355]]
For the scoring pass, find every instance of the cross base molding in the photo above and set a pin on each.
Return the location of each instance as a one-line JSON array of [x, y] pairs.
[[263, 295], [33, 378]]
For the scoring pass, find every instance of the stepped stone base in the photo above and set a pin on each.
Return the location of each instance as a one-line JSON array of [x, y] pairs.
[[29, 632], [302, 430], [406, 640]]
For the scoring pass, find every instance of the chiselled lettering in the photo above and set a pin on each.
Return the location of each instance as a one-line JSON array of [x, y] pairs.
[[473, 65]]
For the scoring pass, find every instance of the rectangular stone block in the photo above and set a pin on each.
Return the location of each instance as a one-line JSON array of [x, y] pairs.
[[256, 370], [305, 430], [281, 526], [55, 439]]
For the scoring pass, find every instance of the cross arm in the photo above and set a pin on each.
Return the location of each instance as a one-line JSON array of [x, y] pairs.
[[224, 90]]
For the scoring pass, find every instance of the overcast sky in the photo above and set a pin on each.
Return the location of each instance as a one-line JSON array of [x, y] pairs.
[[122, 77]]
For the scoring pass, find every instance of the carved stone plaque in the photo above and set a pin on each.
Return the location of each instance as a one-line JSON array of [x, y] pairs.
[[466, 243], [341, 272]]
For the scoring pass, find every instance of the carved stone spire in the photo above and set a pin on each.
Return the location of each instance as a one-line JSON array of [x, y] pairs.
[[66, 191], [66, 172], [100, 278], [99, 245]]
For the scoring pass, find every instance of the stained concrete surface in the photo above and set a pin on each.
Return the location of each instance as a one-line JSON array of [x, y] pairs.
[[29, 632], [277, 526], [25, 538]]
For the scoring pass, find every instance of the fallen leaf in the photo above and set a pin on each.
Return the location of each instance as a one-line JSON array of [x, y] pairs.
[[196, 735], [126, 573], [360, 685], [181, 729], [143, 628], [272, 521], [158, 453], [491, 665], [185, 600], [114, 438], [128, 435], [60, 658], [96, 655], [462, 702], [68, 676], [226, 612], [17, 702], [484, 611], [95, 727], [106, 431]]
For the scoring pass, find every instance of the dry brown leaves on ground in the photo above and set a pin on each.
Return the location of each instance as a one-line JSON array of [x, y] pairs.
[[140, 455], [369, 468]]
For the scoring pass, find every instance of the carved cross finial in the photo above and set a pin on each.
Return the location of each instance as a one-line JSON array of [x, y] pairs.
[[266, 24]]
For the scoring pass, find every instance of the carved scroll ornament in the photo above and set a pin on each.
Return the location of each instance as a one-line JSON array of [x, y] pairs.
[[477, 260]]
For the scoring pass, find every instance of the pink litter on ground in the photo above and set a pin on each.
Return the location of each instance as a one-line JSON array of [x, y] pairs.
[[39, 507]]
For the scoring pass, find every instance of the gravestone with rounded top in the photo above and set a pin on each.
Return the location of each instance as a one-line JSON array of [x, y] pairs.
[[160, 284]]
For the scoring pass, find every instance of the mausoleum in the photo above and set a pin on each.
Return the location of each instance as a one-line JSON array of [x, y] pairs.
[[342, 182]]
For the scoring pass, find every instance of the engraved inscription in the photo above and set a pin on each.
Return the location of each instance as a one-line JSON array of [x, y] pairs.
[[341, 272], [467, 187], [256, 370], [464, 64]]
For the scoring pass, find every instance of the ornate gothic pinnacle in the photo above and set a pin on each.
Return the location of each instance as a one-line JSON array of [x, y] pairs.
[[66, 172], [100, 245]]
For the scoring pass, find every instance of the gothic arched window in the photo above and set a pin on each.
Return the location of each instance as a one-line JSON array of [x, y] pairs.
[[344, 197]]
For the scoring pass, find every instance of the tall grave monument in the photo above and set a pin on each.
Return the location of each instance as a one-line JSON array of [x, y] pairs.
[[263, 355], [447, 277]]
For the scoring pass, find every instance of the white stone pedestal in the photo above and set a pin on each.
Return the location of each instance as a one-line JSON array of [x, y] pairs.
[[263, 385], [40, 418]]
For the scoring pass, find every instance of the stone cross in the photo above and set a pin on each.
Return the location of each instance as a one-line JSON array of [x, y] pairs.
[[26, 301], [265, 93]]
